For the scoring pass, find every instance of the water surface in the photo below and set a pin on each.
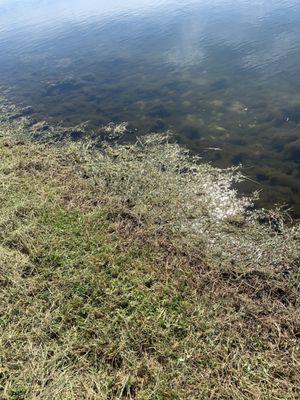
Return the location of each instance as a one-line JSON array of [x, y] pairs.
[[223, 75]]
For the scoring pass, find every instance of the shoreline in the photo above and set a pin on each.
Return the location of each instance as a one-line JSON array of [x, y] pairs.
[[132, 271]]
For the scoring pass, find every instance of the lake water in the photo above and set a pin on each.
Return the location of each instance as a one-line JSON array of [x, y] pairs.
[[220, 74]]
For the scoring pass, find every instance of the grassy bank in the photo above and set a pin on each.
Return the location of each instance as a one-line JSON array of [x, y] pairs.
[[133, 272]]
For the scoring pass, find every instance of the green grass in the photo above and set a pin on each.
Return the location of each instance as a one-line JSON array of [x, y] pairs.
[[106, 293]]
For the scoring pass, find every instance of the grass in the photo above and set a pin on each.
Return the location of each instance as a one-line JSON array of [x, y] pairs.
[[133, 272]]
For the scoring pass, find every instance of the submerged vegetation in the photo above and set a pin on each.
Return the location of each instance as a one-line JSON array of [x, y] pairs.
[[132, 271]]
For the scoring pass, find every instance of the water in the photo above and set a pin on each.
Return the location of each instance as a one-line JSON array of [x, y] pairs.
[[221, 74]]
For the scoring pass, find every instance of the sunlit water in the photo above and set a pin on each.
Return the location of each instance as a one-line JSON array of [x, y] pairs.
[[221, 74]]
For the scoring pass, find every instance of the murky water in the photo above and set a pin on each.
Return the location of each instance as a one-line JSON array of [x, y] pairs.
[[222, 74]]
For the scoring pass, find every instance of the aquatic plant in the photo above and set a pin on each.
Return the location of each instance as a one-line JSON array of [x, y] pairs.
[[194, 203]]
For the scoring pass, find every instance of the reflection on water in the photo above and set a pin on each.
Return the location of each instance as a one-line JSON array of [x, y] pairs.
[[219, 73]]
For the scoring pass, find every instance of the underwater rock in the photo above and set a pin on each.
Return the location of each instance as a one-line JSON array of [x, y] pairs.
[[217, 103], [239, 158], [65, 85], [94, 98], [292, 150], [89, 77], [238, 141], [159, 112], [219, 84], [262, 177], [191, 132], [158, 126]]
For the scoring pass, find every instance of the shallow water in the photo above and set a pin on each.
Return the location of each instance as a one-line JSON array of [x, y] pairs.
[[223, 75]]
